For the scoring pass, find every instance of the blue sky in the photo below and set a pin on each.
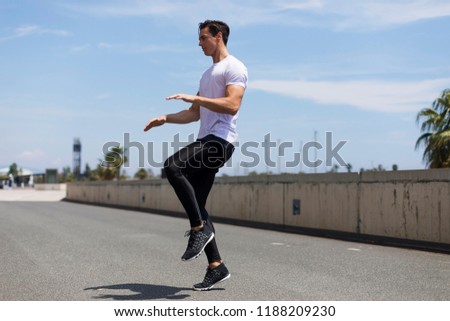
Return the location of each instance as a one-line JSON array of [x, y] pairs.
[[99, 69]]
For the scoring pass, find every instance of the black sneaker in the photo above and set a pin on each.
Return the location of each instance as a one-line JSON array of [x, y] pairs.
[[197, 242], [212, 277]]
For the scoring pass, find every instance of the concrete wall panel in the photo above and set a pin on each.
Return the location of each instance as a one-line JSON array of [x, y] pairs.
[[413, 205]]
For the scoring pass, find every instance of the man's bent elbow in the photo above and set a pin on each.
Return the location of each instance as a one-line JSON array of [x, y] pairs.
[[234, 108], [233, 111]]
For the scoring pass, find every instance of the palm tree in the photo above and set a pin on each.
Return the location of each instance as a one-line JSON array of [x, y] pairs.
[[436, 132], [110, 167], [141, 174], [13, 169]]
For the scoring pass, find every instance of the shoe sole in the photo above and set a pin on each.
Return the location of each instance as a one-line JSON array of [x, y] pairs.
[[209, 288], [201, 251]]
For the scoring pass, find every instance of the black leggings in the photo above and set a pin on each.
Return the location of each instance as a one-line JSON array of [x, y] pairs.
[[191, 172]]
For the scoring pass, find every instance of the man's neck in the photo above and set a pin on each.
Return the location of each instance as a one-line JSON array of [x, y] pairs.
[[220, 55]]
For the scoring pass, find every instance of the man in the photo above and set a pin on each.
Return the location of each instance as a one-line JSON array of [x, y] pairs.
[[191, 171]]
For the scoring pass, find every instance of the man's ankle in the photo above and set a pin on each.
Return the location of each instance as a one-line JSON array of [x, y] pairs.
[[197, 228], [213, 265]]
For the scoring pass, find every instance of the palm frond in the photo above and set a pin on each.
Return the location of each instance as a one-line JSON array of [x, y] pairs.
[[442, 138], [423, 140], [435, 128]]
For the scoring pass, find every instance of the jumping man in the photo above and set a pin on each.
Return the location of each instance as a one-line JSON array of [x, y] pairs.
[[191, 170]]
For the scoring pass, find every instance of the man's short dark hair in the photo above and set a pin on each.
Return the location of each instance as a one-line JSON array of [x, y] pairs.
[[214, 27]]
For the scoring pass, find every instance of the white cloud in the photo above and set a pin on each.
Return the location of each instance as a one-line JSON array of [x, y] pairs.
[[237, 13], [369, 14], [37, 160], [382, 14], [399, 12], [80, 48], [31, 155], [343, 14], [304, 5], [30, 30], [125, 8], [104, 45], [382, 96]]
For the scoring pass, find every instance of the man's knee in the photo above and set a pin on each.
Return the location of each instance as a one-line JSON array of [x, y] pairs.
[[172, 168], [169, 167]]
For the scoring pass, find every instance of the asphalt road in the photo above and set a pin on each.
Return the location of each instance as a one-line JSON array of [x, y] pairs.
[[65, 251]]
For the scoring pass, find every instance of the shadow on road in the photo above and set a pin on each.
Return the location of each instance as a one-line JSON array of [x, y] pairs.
[[140, 292]]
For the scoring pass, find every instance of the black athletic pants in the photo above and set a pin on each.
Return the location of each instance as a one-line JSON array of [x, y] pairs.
[[191, 172]]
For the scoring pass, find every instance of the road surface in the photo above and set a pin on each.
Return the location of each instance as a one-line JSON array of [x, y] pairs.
[[66, 251]]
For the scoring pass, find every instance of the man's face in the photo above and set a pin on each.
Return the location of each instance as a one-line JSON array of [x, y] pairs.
[[207, 41]]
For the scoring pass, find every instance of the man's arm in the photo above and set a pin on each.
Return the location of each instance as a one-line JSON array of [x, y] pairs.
[[229, 104], [183, 117]]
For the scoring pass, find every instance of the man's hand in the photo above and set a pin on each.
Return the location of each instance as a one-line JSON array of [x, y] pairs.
[[184, 97], [158, 121]]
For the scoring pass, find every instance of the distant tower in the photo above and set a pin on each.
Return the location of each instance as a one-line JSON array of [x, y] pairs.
[[76, 158]]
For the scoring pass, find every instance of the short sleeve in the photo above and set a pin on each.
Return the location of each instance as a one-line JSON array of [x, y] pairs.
[[237, 74]]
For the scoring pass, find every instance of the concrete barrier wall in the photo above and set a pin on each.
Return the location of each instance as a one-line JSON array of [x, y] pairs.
[[50, 187], [411, 205]]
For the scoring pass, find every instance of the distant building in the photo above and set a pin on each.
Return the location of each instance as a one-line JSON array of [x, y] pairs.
[[24, 178]]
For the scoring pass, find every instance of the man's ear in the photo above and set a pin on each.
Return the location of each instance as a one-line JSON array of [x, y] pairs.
[[219, 35]]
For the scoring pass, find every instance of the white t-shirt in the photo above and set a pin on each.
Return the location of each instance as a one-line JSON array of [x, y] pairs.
[[228, 71]]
